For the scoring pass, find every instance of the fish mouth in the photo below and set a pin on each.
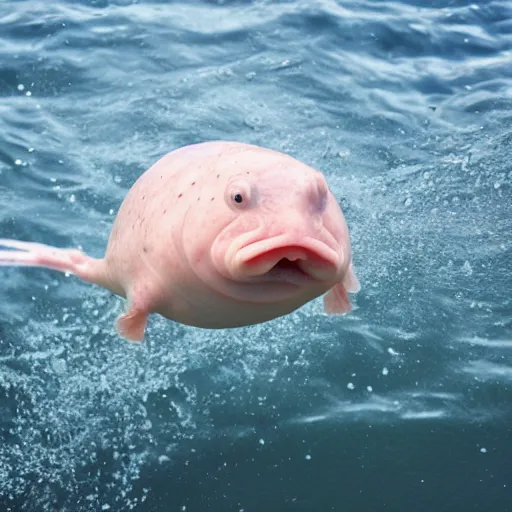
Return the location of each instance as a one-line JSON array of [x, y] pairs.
[[288, 260]]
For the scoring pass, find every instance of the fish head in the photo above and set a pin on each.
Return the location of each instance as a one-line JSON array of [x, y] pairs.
[[275, 232]]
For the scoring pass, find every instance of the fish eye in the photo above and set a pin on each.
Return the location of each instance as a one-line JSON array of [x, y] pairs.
[[240, 194]]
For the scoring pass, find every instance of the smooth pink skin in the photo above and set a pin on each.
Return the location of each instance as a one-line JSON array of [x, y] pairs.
[[181, 246]]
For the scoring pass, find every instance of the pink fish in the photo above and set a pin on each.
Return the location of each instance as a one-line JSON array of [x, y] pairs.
[[216, 235]]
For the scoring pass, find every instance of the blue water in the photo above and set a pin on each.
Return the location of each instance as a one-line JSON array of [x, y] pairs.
[[403, 405]]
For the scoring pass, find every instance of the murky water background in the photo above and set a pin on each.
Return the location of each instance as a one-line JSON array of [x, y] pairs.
[[406, 403]]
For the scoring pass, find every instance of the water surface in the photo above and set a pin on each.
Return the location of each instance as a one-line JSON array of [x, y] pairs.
[[406, 403]]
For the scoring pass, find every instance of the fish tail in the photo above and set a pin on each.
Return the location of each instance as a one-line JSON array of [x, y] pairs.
[[72, 261]]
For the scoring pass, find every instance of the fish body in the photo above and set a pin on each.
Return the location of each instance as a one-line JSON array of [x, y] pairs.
[[216, 235]]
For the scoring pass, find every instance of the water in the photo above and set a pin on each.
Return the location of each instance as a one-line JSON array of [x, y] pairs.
[[403, 405]]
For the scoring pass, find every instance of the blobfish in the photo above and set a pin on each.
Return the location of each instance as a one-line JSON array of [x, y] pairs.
[[216, 235]]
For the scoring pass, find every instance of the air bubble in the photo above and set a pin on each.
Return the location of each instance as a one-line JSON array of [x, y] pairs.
[[253, 121], [467, 268]]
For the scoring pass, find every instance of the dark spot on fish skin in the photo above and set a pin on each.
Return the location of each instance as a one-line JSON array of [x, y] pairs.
[[179, 195], [212, 199], [145, 249], [143, 197], [193, 183], [218, 175], [198, 198], [161, 177], [165, 211]]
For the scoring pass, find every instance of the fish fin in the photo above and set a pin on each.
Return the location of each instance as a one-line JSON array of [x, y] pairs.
[[132, 324], [73, 261], [351, 281], [336, 300]]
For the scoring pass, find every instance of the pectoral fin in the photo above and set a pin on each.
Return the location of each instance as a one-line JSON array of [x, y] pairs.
[[132, 324], [351, 281], [336, 301]]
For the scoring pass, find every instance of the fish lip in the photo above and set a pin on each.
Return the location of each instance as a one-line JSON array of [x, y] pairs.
[[314, 260]]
